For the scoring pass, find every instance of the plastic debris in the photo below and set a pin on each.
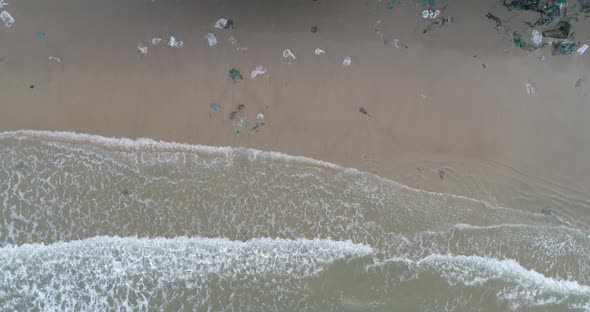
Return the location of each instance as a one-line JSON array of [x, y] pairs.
[[235, 75], [259, 70], [495, 19], [7, 19], [547, 211], [530, 88], [173, 42], [156, 41], [55, 58], [563, 47], [582, 49], [41, 35], [288, 55], [363, 111], [319, 51], [3, 4], [211, 39], [142, 50], [441, 174], [215, 107], [223, 23], [561, 32], [259, 121], [536, 37], [430, 14], [347, 61], [314, 29]]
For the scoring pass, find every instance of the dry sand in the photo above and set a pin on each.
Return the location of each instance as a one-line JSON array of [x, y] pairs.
[[432, 105]]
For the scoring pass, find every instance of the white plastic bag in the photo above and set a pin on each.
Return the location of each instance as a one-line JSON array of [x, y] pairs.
[[212, 39], [319, 51], [347, 61], [7, 19], [259, 70], [221, 23], [288, 55]]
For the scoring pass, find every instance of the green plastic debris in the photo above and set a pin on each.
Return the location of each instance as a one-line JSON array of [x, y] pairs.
[[519, 42], [391, 4], [235, 75], [564, 47], [215, 107]]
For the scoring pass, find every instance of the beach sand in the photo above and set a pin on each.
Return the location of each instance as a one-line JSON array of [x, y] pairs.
[[453, 99]]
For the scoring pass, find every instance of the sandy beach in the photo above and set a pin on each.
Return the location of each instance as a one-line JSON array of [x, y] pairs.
[[453, 98]]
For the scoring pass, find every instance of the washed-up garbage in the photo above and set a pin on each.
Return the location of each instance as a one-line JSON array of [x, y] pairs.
[[564, 47], [288, 55], [537, 37], [142, 50], [55, 58], [547, 211], [530, 88], [561, 32], [215, 107], [3, 4], [7, 19], [430, 14], [156, 41], [235, 75], [363, 111], [41, 35], [582, 49], [211, 39], [314, 29], [438, 23], [259, 121], [259, 70], [175, 43], [223, 23], [495, 19], [347, 61], [319, 51]]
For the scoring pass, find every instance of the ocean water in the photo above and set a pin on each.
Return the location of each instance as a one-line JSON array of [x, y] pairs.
[[92, 223]]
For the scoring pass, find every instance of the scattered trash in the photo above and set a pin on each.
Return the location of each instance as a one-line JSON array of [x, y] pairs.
[[223, 23], [173, 42], [363, 111], [142, 50], [547, 211], [536, 37], [7, 19], [582, 49], [32, 87], [289, 56], [518, 41], [561, 32], [391, 4], [259, 121], [319, 51], [441, 174], [55, 58], [438, 23], [259, 70], [41, 35], [235, 75], [347, 61], [211, 39], [215, 107], [495, 19], [3, 4], [314, 29], [530, 88], [156, 41], [430, 14], [563, 47]]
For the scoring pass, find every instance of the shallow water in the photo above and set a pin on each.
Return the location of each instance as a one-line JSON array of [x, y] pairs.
[[89, 222]]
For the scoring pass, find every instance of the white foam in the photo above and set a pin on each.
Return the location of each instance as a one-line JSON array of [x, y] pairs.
[[104, 273]]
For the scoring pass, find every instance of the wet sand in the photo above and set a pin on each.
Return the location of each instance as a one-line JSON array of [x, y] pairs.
[[453, 98]]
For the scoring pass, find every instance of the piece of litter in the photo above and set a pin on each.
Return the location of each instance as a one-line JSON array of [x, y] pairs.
[[7, 19], [156, 41], [430, 14], [347, 61], [173, 42], [425, 14], [260, 118], [537, 37], [215, 107], [55, 58], [547, 211], [211, 39], [3, 4], [319, 51], [288, 55], [362, 110], [530, 88], [259, 70], [223, 23], [41, 35], [235, 75], [582, 49], [143, 50], [396, 43], [441, 174]]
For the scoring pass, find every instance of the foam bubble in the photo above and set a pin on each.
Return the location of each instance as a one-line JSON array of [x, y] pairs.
[[133, 273]]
